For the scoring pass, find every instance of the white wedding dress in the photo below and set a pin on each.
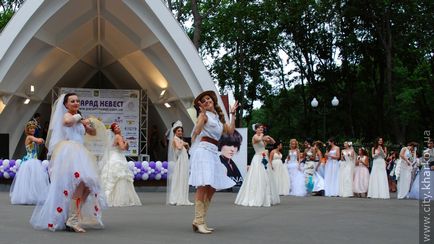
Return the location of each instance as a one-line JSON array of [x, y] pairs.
[[404, 180], [296, 176], [258, 188], [30, 185], [346, 174], [331, 176], [178, 175], [280, 174], [118, 180], [378, 184], [71, 164]]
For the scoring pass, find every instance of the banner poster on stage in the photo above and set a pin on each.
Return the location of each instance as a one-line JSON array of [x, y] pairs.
[[233, 154], [113, 106]]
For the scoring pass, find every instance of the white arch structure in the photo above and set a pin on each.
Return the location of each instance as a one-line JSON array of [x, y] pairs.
[[131, 44]]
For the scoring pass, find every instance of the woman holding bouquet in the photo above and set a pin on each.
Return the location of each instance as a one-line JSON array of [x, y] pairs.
[[258, 188], [378, 185]]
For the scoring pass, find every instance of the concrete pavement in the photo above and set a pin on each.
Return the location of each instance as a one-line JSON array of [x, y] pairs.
[[296, 220]]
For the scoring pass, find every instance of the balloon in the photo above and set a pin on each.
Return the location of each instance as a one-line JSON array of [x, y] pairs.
[[11, 174], [6, 175], [5, 163], [137, 177], [158, 164], [145, 164], [137, 164], [145, 176], [152, 164], [11, 163], [165, 164], [2, 168], [131, 164], [158, 176], [18, 162], [164, 177]]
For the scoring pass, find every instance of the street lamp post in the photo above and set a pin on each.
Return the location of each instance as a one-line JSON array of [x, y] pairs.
[[324, 112]]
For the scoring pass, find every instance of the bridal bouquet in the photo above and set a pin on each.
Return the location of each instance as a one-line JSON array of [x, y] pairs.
[[264, 160]]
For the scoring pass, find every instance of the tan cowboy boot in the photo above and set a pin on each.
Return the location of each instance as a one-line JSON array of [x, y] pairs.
[[206, 204], [198, 222], [73, 223]]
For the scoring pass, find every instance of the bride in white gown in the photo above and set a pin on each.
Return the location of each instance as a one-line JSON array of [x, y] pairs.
[[346, 170], [406, 158], [73, 200], [258, 188], [378, 184], [280, 171], [117, 179], [179, 166]]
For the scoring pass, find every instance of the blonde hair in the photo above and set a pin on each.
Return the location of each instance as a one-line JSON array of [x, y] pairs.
[[29, 125], [296, 143]]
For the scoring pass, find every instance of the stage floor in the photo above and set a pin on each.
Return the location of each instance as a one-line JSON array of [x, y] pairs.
[[296, 220]]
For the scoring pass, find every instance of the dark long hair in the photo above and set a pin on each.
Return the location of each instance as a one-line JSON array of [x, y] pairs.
[[376, 143]]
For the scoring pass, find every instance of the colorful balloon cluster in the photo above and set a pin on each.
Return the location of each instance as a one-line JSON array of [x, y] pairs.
[[141, 170]]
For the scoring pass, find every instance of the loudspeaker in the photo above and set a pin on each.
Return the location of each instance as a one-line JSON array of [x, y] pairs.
[[4, 146]]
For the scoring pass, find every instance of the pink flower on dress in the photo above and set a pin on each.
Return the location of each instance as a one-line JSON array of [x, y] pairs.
[[263, 154], [50, 225], [96, 208], [59, 209], [65, 192], [76, 175]]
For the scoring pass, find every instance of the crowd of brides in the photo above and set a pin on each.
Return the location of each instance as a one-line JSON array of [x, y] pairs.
[[77, 187], [338, 173]]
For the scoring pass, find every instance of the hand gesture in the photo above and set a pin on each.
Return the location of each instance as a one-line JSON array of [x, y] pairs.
[[233, 108], [202, 108]]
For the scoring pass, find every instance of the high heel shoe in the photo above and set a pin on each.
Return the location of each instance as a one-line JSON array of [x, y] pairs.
[[75, 228], [201, 229]]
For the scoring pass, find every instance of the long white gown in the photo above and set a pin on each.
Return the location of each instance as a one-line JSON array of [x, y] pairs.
[[346, 173], [280, 174], [118, 180], [404, 179], [378, 184], [331, 176], [178, 175], [71, 164], [30, 185], [258, 188], [296, 176]]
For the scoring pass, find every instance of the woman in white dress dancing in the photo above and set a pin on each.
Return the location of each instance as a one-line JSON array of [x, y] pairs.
[[259, 186], [30, 185], [116, 177], [378, 184], [179, 167], [346, 170], [207, 173], [74, 198], [331, 172], [407, 157], [280, 171]]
